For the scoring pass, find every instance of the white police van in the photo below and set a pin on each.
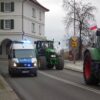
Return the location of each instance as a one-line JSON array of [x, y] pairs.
[[22, 58]]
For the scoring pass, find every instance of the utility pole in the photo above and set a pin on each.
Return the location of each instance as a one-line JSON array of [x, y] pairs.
[[74, 53], [23, 18]]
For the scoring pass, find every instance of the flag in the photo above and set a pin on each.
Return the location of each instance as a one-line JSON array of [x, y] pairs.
[[94, 27]]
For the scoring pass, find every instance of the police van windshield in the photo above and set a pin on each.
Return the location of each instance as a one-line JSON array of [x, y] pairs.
[[25, 53]]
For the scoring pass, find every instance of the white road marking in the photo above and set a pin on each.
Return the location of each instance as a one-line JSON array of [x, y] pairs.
[[71, 83]]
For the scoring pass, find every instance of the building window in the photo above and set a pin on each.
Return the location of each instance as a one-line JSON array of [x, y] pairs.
[[7, 7], [33, 12], [7, 24], [33, 27]]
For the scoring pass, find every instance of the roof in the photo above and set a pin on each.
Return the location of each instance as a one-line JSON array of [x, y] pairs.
[[43, 41], [22, 46], [37, 3]]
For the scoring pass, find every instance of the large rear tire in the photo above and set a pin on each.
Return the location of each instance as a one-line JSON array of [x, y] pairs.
[[89, 77], [42, 64], [60, 65]]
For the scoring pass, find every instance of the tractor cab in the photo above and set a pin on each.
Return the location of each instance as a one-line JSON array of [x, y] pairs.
[[98, 38], [43, 46]]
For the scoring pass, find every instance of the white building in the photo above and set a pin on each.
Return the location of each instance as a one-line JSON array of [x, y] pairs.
[[20, 19]]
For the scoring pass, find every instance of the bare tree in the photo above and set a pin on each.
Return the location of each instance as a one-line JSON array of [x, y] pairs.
[[83, 12]]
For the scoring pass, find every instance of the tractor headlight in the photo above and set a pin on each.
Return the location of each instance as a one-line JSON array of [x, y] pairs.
[[53, 55]]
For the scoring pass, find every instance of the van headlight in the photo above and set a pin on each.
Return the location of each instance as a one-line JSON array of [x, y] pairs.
[[14, 64], [35, 64]]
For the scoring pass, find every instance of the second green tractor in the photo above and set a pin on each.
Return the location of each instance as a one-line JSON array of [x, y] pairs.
[[47, 57]]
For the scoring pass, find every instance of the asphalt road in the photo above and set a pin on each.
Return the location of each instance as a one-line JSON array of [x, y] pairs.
[[52, 85]]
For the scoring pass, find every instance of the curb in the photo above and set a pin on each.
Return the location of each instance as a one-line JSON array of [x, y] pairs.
[[7, 93], [73, 69]]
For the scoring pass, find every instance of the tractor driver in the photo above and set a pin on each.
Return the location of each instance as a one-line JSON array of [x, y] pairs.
[[45, 45]]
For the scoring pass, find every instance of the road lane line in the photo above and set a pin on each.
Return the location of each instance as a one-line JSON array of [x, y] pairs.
[[71, 83]]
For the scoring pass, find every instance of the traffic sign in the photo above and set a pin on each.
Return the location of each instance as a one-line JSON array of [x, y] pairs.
[[74, 41]]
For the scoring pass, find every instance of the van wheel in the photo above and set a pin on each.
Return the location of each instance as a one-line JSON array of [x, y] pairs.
[[35, 74], [11, 73]]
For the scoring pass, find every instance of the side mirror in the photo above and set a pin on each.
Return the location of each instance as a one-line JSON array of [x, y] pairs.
[[59, 43], [9, 57], [35, 42]]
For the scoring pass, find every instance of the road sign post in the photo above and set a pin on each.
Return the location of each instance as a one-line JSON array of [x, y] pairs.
[[74, 44]]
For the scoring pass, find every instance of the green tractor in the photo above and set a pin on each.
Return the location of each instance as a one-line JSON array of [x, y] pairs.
[[47, 57], [91, 65]]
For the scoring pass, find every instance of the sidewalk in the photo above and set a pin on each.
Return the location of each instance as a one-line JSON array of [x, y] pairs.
[[6, 93], [78, 66]]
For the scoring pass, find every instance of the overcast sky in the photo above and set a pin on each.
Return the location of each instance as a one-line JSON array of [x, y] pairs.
[[54, 26]]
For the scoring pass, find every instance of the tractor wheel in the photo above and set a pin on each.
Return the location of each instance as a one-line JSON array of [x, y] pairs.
[[60, 64], [89, 76], [42, 63]]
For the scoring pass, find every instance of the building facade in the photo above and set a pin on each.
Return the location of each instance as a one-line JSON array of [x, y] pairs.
[[20, 20]]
